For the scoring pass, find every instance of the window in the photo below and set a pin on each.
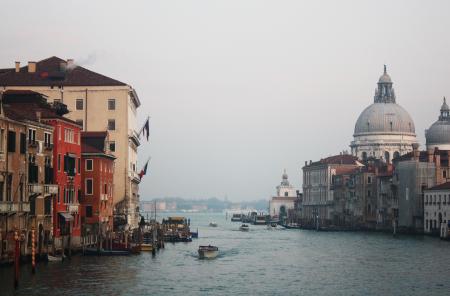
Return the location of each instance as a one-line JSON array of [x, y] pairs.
[[32, 136], [59, 162], [112, 104], [2, 135], [106, 189], [23, 143], [79, 165], [369, 180], [111, 124], [88, 211], [112, 146], [47, 139], [11, 141], [444, 174], [89, 164], [69, 165], [89, 187], [79, 104], [368, 193], [68, 135], [80, 122], [1, 191]]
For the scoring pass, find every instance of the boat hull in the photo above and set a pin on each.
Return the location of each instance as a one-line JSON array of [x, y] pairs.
[[146, 247], [207, 254]]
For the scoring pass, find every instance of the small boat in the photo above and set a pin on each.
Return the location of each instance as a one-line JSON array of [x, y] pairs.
[[272, 225], [292, 226], [212, 224], [236, 218], [146, 247], [103, 252], [51, 258], [194, 234], [244, 227], [208, 252]]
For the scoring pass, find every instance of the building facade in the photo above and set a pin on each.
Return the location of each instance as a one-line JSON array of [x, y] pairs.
[[97, 172], [285, 199], [97, 103]]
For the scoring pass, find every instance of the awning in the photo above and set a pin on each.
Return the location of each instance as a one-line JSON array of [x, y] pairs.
[[66, 216]]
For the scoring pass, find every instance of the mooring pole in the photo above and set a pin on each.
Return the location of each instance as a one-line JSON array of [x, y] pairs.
[[16, 259], [33, 252]]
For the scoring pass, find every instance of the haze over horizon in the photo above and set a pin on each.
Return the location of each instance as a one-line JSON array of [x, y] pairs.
[[239, 90]]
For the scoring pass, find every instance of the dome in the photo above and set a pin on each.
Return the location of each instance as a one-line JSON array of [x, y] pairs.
[[385, 78], [439, 132], [384, 118]]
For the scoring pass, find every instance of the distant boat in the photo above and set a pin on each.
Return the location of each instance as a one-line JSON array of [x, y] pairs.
[[208, 252], [292, 226], [272, 225], [236, 218], [212, 224], [244, 227]]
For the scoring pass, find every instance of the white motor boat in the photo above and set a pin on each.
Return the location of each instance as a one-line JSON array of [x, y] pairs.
[[208, 252], [212, 224], [244, 227], [51, 258]]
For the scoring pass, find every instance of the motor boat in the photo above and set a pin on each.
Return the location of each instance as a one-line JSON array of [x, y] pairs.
[[244, 227], [272, 225], [212, 224], [51, 258], [208, 252]]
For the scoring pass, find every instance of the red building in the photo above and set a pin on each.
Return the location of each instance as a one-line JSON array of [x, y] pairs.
[[97, 170]]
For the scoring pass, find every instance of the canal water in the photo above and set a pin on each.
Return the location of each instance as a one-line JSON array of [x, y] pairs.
[[258, 262]]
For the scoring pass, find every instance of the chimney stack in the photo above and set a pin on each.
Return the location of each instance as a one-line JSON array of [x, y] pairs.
[[70, 63], [31, 67], [17, 67]]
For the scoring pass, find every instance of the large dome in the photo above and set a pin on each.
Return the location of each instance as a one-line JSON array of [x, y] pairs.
[[384, 118]]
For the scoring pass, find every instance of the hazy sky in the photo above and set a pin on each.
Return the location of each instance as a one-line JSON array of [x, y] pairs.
[[239, 90]]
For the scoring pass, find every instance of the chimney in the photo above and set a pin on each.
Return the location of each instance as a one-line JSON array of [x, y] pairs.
[[70, 63], [306, 162], [17, 67], [31, 67]]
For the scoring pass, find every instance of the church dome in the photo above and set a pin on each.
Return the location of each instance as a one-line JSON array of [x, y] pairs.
[[439, 132], [384, 118]]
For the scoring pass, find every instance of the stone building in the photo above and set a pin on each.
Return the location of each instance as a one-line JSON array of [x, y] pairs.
[[39, 161], [318, 200], [383, 130], [284, 201], [437, 209], [96, 102]]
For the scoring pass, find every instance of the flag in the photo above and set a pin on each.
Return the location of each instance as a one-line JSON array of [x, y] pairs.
[[146, 128], [143, 171]]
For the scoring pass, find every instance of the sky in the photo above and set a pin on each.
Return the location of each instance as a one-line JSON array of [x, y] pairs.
[[238, 90]]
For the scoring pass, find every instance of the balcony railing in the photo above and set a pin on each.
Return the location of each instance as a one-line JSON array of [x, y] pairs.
[[73, 208], [48, 146], [34, 188], [8, 207], [50, 189]]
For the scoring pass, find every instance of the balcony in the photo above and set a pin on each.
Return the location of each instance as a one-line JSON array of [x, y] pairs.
[[50, 189], [48, 146], [32, 144], [133, 136], [34, 188], [73, 208], [8, 207]]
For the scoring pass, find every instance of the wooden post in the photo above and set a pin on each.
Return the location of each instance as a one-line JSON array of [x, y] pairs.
[[33, 251], [16, 259]]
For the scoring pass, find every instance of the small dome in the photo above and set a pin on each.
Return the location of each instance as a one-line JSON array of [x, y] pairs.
[[439, 132], [384, 118]]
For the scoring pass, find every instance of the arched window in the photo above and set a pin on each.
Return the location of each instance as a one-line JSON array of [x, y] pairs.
[[364, 156], [396, 154]]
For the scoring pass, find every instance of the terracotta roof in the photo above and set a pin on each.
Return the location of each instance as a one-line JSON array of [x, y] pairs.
[[443, 186], [25, 105], [50, 73], [343, 159]]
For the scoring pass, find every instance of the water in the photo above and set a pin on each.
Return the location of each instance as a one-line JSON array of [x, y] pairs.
[[261, 261]]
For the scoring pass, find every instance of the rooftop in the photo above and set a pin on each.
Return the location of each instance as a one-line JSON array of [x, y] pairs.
[[55, 71]]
